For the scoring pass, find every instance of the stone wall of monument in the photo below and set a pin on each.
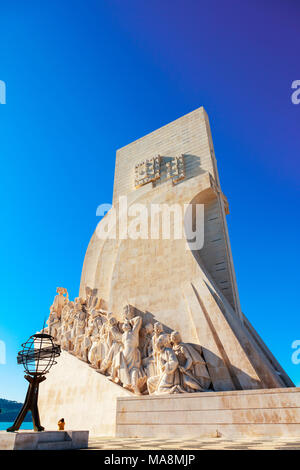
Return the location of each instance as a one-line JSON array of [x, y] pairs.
[[230, 415], [187, 135]]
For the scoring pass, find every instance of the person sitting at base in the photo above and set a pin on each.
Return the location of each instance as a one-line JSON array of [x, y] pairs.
[[61, 424]]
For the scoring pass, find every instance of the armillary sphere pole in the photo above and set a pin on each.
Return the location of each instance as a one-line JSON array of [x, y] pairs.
[[37, 356], [30, 404]]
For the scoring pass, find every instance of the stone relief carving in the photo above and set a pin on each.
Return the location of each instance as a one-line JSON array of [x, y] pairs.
[[142, 359], [131, 372], [153, 169], [178, 169], [147, 171]]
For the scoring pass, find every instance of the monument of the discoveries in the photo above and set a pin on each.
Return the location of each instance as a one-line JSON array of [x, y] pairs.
[[156, 343]]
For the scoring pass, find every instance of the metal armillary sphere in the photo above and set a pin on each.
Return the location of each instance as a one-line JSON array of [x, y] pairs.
[[37, 356]]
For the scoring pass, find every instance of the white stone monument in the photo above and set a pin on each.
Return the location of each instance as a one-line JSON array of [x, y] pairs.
[[181, 358]]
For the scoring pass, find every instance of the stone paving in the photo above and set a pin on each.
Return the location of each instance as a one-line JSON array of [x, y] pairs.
[[102, 443]]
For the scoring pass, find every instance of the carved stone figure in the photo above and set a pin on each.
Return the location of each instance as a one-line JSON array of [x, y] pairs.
[[54, 325], [88, 339], [131, 373], [113, 338], [158, 329], [192, 373], [80, 325], [185, 373], [91, 299], [97, 352], [60, 301], [128, 312], [93, 352], [54, 321], [165, 381], [148, 360], [102, 347], [69, 331], [80, 316]]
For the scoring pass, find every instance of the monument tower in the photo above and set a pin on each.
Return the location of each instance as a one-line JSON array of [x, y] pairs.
[[194, 292], [169, 281]]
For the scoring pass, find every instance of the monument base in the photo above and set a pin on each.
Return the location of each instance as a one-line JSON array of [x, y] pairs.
[[45, 440], [236, 414]]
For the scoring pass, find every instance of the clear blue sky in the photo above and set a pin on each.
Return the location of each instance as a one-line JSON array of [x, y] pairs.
[[87, 77]]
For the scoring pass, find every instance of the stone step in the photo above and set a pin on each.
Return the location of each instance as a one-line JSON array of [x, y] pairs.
[[45, 440], [55, 445], [54, 436]]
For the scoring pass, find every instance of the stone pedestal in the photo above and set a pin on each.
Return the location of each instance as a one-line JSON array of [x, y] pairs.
[[46, 440], [236, 414]]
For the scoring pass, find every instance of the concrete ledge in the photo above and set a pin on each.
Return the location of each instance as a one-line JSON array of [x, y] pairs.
[[235, 414], [45, 440]]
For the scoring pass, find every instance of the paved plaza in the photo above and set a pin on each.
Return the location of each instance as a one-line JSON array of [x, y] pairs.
[[102, 443]]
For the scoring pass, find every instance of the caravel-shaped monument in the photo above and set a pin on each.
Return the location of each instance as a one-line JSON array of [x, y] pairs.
[[182, 334]]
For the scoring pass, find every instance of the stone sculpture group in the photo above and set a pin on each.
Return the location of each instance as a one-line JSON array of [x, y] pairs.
[[141, 358]]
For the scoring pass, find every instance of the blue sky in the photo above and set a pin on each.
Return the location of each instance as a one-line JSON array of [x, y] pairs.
[[85, 78]]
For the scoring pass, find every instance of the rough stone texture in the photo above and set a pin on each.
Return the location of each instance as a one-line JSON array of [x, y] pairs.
[[255, 413], [84, 398], [46, 440]]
